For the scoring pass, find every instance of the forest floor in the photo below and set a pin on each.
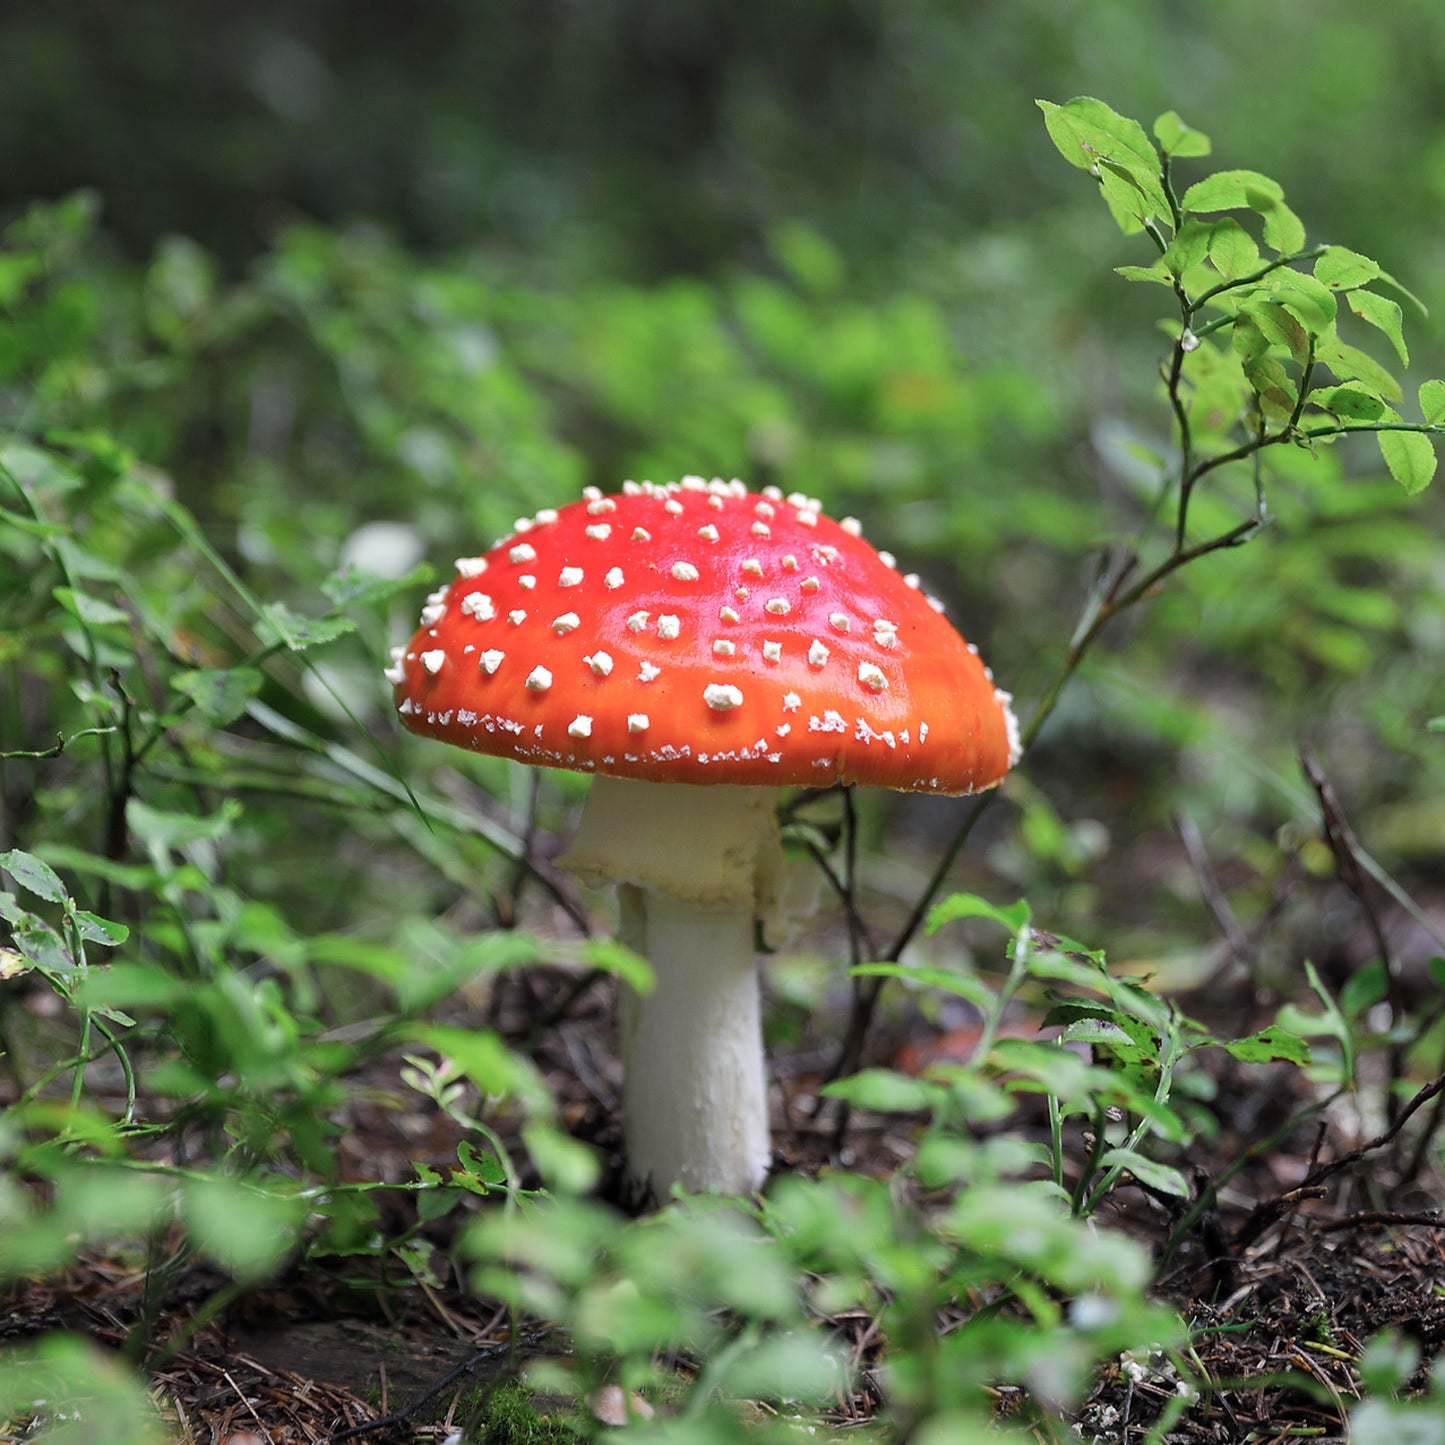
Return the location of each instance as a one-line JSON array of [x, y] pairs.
[[1282, 1280]]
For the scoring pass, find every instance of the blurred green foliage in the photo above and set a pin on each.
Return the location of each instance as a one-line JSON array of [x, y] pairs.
[[325, 294]]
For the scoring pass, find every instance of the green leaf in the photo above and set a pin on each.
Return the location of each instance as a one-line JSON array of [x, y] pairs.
[[1271, 1045], [1232, 191], [1349, 363], [1157, 272], [963, 985], [1188, 248], [1098, 139], [484, 1166], [1283, 230], [1177, 139], [1410, 458], [164, 831], [1351, 402], [1306, 298], [1364, 988], [1232, 250], [616, 958], [94, 929], [1343, 270], [1147, 1171], [1274, 389], [90, 610], [34, 875], [280, 624], [221, 695], [351, 586], [567, 1165], [1383, 313], [968, 905], [486, 1060], [1432, 401], [1405, 291], [884, 1092], [246, 1230], [1280, 327]]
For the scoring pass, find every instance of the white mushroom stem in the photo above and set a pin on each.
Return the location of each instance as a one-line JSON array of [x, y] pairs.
[[694, 1090], [696, 866]]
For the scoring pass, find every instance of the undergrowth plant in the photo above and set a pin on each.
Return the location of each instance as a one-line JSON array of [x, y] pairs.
[[219, 884]]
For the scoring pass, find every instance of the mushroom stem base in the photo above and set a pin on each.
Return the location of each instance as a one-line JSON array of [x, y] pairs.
[[695, 1091]]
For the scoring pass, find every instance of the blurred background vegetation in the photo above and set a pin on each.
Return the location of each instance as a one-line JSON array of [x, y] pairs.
[[344, 264]]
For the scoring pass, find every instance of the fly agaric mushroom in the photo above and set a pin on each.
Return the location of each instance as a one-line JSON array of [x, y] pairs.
[[696, 646]]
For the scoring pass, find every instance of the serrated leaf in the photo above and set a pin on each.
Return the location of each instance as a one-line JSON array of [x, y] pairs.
[[1410, 458], [1351, 402], [12, 964], [1096, 138], [1155, 273], [482, 1163], [221, 695], [45, 948], [1279, 326], [1178, 139], [1432, 401], [1343, 270], [1189, 246], [34, 875], [280, 624], [1248, 339], [1232, 191], [1124, 196], [1232, 250], [1093, 1030], [1273, 387], [1283, 230], [1405, 291], [353, 586], [1349, 363], [1313, 303], [1384, 314], [1271, 1045]]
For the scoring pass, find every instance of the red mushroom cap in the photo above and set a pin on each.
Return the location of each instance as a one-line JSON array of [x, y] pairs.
[[701, 633]]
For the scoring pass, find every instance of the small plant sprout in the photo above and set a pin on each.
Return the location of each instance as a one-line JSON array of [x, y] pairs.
[[698, 646]]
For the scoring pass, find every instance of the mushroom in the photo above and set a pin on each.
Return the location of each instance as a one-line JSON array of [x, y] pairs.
[[697, 646]]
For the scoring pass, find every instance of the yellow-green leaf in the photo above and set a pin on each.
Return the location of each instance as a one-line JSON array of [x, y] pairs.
[[1385, 314], [1232, 249], [1096, 138], [1232, 191], [1432, 401], [1349, 363], [1342, 269], [1178, 139], [1410, 458]]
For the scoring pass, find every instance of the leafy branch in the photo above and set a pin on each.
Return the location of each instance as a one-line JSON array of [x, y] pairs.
[[1257, 361]]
